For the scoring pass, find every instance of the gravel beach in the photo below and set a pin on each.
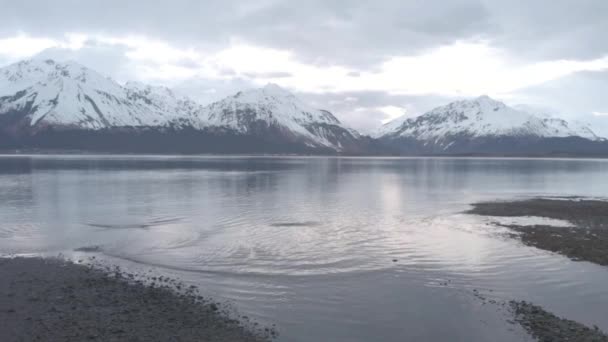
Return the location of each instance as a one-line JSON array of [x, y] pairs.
[[546, 327], [55, 300], [587, 240]]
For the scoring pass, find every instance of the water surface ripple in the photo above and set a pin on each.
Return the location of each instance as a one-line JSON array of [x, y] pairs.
[[330, 249]]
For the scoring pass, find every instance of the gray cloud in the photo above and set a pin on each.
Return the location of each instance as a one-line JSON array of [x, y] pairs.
[[227, 72], [319, 31], [347, 32], [109, 60], [188, 63], [207, 91], [265, 75], [576, 96], [556, 29], [581, 93], [360, 110]]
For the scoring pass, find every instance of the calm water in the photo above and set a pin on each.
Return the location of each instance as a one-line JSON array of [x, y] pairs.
[[309, 243]]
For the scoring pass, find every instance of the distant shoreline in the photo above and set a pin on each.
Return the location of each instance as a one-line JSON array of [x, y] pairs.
[[35, 152]]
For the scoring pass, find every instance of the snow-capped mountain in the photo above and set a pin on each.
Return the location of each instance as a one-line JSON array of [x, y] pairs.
[[553, 117], [273, 110], [40, 93], [169, 108], [482, 125], [47, 102]]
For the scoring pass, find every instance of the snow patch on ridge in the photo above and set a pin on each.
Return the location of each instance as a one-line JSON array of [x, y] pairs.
[[482, 117], [69, 94], [276, 107]]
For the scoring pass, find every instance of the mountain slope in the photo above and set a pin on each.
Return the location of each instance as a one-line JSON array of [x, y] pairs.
[[41, 93], [274, 113], [487, 126]]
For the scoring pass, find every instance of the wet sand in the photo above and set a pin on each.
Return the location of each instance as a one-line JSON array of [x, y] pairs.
[[55, 300], [587, 240]]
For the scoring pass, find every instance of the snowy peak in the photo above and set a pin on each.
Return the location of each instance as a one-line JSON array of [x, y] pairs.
[[149, 90], [38, 71], [272, 89], [280, 104], [48, 93], [482, 117], [271, 104], [485, 100], [277, 109]]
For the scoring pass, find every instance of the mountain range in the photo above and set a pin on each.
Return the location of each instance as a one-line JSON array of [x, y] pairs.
[[484, 126], [48, 105]]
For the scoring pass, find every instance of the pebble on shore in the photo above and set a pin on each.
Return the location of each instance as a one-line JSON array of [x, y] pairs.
[[56, 300]]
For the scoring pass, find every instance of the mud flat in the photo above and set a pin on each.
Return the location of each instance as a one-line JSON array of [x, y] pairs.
[[55, 300], [585, 240]]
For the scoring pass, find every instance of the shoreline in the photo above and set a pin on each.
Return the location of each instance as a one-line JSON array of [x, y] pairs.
[[68, 152], [547, 327], [585, 240], [58, 300]]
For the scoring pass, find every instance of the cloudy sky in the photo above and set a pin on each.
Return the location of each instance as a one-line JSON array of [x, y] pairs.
[[367, 61]]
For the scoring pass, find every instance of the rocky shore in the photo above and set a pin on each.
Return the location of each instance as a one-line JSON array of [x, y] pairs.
[[585, 240], [546, 327], [55, 300]]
